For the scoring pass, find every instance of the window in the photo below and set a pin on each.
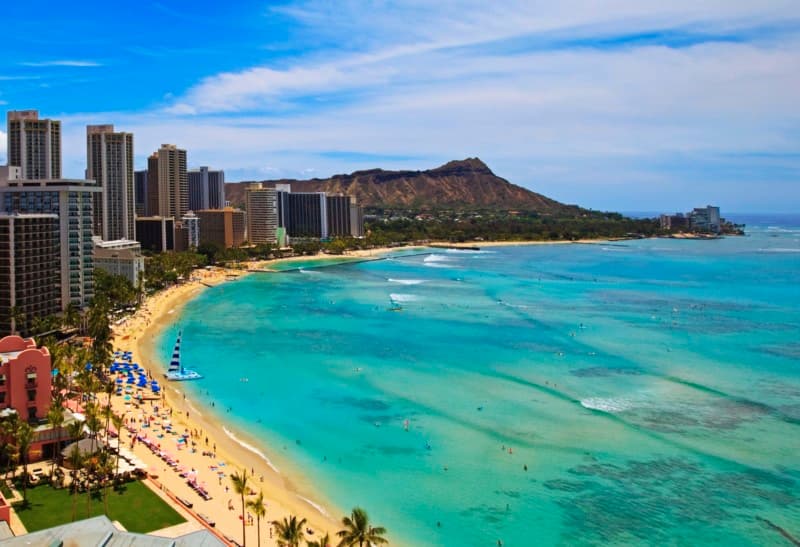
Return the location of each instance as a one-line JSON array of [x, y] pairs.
[[31, 395], [2, 397], [2, 380], [32, 413]]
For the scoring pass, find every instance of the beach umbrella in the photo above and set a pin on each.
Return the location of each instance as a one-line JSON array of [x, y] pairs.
[[88, 366], [127, 397], [130, 379]]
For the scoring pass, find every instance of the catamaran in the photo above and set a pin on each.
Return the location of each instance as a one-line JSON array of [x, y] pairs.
[[176, 372]]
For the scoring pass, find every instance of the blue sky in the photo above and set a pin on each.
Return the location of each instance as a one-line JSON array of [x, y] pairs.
[[620, 105]]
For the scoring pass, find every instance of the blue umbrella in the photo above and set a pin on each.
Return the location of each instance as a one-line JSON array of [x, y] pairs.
[[88, 366], [130, 380], [119, 380]]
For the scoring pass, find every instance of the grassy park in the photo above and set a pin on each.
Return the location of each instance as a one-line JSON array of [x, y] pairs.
[[135, 506]]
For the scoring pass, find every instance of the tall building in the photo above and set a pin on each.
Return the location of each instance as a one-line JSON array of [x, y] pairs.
[[262, 214], [71, 200], [156, 234], [345, 218], [34, 145], [140, 192], [222, 227], [29, 272], [109, 161], [705, 219], [305, 214], [167, 182], [121, 257], [191, 222], [206, 189]]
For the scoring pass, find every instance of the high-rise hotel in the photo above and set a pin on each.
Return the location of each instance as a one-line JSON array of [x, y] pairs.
[[109, 161], [31, 185]]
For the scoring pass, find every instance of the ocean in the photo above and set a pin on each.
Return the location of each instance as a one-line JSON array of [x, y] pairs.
[[639, 392]]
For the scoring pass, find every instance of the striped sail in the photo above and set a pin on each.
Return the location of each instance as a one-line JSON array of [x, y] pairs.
[[175, 363]]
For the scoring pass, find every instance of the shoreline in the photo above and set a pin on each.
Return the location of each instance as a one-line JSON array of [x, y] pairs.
[[236, 447], [233, 447]]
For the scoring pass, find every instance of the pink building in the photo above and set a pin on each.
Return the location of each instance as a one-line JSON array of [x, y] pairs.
[[25, 376]]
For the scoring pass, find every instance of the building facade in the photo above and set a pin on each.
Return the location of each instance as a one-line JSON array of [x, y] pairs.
[[304, 214], [222, 227], [167, 182], [71, 200], [25, 376], [206, 189], [29, 270], [262, 214], [191, 223], [140, 193], [120, 257], [156, 234], [34, 145], [109, 161], [706, 219]]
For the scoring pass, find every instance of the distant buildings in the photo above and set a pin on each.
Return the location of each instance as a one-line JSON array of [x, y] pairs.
[[701, 219], [206, 189], [167, 183], [222, 227], [345, 218], [29, 269], [34, 145], [109, 161], [304, 214], [121, 257]]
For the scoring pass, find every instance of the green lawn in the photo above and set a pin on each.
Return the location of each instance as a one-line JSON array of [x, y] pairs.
[[135, 506]]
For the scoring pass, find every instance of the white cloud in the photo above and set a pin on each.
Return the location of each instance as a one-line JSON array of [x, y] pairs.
[[3, 147], [64, 62], [424, 84]]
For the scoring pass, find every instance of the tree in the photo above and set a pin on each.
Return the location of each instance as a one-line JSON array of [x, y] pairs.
[[256, 507], [118, 422], [17, 319], [289, 531], [24, 439], [76, 460], [324, 541], [72, 316], [357, 530], [240, 487], [55, 417]]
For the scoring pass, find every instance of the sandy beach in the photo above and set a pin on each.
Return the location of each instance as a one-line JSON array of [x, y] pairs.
[[205, 429], [136, 335]]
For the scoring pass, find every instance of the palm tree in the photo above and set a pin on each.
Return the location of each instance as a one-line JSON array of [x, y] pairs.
[[24, 440], [55, 417], [118, 422], [256, 506], [290, 531], [240, 487], [17, 319], [75, 430], [72, 316], [324, 541], [358, 531]]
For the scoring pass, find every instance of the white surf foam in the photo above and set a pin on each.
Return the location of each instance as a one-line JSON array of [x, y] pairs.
[[312, 272], [251, 448], [397, 297], [406, 281], [610, 405], [436, 258], [779, 250], [316, 506]]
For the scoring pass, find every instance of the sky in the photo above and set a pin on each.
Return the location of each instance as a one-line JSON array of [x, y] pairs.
[[619, 105]]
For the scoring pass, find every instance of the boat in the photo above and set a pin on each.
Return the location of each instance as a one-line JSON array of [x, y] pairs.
[[176, 372]]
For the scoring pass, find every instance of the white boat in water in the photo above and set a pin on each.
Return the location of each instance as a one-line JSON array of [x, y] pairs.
[[176, 372]]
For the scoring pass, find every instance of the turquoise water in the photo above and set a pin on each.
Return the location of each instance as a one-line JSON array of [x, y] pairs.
[[652, 388]]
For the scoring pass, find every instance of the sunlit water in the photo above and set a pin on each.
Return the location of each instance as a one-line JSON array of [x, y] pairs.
[[651, 388]]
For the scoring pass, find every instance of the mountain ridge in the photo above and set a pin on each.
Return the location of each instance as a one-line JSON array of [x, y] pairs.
[[467, 183]]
